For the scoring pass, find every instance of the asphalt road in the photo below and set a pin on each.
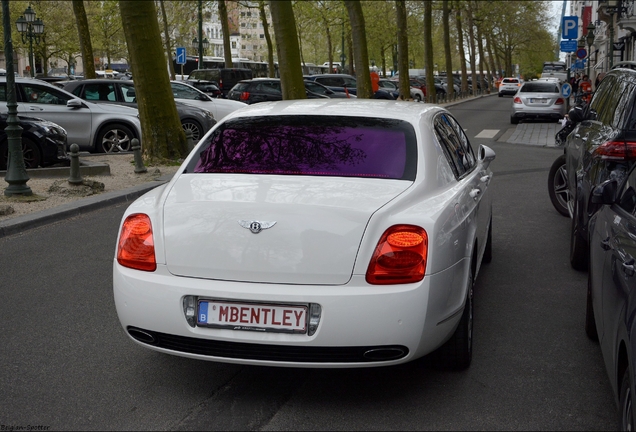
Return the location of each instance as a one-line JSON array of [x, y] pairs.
[[67, 363]]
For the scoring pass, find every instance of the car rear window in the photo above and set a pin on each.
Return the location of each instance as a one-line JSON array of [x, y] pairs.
[[510, 81], [311, 146], [241, 87], [539, 88]]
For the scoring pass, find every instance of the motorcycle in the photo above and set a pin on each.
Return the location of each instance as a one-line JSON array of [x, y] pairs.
[[558, 178]]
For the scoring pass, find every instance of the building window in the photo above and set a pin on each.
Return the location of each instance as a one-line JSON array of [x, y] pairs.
[[242, 14], [249, 14], [262, 36], [233, 44], [253, 25], [242, 46], [242, 25], [254, 47]]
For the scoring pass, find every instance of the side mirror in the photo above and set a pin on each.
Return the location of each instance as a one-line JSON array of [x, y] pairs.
[[486, 155], [576, 115], [605, 193], [75, 103]]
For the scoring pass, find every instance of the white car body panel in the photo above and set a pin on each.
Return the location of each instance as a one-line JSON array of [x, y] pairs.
[[317, 253]]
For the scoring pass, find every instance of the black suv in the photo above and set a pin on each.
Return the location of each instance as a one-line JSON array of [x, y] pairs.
[[602, 146], [262, 90], [217, 82]]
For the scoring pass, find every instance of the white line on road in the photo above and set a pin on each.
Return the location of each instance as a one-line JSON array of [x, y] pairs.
[[487, 133]]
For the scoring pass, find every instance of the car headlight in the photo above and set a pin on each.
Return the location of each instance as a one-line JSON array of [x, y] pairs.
[[208, 114]]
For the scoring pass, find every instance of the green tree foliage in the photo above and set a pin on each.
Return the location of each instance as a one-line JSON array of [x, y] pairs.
[[163, 137], [403, 49]]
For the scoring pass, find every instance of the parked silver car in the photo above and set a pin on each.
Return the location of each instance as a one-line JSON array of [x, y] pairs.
[[122, 92], [538, 100], [94, 127], [192, 96]]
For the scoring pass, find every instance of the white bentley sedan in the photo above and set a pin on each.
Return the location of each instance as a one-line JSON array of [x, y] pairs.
[[314, 233]]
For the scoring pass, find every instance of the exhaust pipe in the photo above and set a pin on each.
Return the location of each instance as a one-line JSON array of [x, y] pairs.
[[384, 354], [142, 336]]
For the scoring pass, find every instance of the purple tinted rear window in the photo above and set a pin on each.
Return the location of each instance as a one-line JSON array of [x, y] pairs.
[[311, 145]]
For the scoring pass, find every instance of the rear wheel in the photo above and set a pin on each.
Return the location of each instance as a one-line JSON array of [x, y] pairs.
[[194, 127], [417, 98], [558, 186], [590, 321], [30, 153], [488, 251], [578, 245], [457, 352], [626, 410], [114, 138], [514, 120]]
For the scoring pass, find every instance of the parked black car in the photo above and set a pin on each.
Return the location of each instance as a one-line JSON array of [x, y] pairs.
[[612, 289], [262, 90], [601, 147], [340, 82], [43, 142], [319, 89], [218, 82], [122, 92]]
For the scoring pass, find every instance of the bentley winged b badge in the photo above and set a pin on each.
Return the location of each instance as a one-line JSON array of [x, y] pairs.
[[256, 226]]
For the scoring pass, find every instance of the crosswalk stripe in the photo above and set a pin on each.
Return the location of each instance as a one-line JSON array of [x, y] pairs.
[[487, 133]]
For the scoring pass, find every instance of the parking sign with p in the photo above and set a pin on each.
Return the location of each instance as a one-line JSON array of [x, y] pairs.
[[570, 27]]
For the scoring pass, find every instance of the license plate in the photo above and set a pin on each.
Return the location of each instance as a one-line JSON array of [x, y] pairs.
[[252, 316]]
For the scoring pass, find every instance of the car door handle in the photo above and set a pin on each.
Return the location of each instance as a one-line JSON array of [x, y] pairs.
[[475, 193], [628, 267], [485, 179], [605, 244]]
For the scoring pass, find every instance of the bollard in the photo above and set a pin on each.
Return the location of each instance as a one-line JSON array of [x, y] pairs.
[[189, 140], [139, 163], [75, 177]]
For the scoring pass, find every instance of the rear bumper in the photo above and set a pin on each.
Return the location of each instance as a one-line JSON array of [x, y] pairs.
[[360, 325]]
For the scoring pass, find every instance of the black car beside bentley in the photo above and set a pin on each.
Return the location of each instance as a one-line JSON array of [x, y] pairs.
[[43, 143]]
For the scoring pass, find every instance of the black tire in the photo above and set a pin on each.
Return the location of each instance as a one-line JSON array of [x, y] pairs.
[[457, 352], [114, 138], [488, 251], [417, 98], [626, 411], [514, 120], [30, 152], [194, 127], [579, 253], [558, 186], [500, 95], [590, 321]]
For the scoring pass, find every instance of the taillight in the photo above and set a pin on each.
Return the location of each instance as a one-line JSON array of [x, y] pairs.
[[517, 100], [616, 150], [559, 101], [244, 96], [399, 257], [136, 248], [221, 84]]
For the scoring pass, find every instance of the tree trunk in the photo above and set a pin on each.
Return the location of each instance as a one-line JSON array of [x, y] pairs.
[[471, 44], [270, 47], [225, 27], [360, 54], [163, 137], [450, 92], [431, 95], [491, 58], [167, 39], [84, 38], [403, 50], [460, 46], [291, 72]]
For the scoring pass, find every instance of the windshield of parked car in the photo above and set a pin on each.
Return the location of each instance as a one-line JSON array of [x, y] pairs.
[[311, 145], [181, 91], [535, 87]]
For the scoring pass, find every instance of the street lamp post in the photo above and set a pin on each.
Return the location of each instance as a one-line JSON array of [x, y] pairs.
[[613, 7], [590, 41], [16, 174], [30, 30]]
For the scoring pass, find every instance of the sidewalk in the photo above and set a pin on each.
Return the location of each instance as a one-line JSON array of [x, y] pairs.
[[537, 134]]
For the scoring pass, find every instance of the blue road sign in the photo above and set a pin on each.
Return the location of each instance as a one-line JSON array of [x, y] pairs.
[[566, 90], [570, 27], [181, 55], [569, 45]]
